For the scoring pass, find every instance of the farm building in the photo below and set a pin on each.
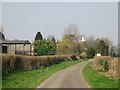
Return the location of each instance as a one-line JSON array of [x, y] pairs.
[[21, 47], [16, 47]]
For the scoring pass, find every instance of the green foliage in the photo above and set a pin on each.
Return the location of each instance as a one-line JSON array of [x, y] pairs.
[[105, 66], [38, 36], [52, 38], [70, 42], [90, 52], [62, 47], [44, 47], [112, 52], [101, 47], [115, 51], [103, 63], [68, 47]]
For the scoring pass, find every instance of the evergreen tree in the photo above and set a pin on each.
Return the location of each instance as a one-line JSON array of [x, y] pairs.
[[38, 36], [51, 38], [90, 52], [112, 53], [2, 36], [102, 47]]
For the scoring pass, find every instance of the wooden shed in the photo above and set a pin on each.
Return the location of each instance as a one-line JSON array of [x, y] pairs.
[[21, 47]]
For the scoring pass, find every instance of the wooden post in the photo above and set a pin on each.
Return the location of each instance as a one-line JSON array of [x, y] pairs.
[[15, 48], [23, 48], [30, 49], [9, 49]]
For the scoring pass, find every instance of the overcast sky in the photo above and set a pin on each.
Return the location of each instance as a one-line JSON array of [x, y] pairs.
[[24, 20]]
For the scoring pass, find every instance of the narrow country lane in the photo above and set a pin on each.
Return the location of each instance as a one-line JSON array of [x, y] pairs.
[[70, 77]]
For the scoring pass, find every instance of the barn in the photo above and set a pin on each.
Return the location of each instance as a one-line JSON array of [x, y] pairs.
[[21, 47]]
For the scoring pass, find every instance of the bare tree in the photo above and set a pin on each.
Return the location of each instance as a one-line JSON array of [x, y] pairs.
[[71, 31], [90, 41]]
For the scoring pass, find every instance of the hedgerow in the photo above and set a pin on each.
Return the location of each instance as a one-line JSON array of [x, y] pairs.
[[19, 62]]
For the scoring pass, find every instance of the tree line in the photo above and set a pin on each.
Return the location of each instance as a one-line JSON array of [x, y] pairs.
[[71, 44]]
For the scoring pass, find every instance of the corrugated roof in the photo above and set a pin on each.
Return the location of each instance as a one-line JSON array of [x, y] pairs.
[[15, 42]]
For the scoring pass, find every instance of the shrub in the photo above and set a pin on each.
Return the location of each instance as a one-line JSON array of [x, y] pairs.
[[59, 59], [101, 47], [102, 62], [108, 64], [114, 67], [5, 64], [35, 64], [44, 47], [18, 62], [43, 60], [105, 66], [8, 63], [27, 62]]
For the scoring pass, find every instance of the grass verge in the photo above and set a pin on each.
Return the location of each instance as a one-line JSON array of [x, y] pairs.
[[33, 78], [97, 80]]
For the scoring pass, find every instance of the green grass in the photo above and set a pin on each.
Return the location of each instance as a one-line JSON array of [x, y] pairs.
[[97, 80], [33, 78]]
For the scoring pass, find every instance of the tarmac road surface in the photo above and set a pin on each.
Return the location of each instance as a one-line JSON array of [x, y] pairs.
[[70, 77]]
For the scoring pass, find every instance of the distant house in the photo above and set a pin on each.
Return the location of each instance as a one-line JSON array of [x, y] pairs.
[[98, 54], [21, 47]]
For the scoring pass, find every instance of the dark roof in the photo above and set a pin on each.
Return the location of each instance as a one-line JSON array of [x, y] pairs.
[[15, 42]]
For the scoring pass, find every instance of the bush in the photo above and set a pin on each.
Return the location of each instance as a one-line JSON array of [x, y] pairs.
[[35, 64], [8, 63], [114, 67], [102, 62], [108, 64], [18, 62], [44, 47], [27, 62], [105, 66]]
